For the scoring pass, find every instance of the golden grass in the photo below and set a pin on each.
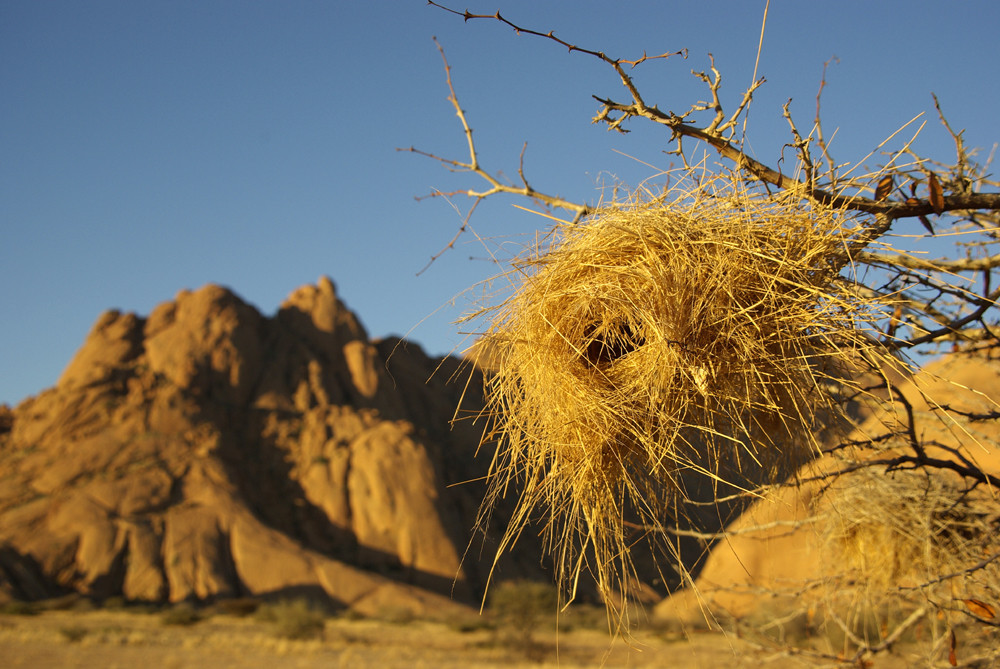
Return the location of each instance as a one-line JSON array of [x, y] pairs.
[[661, 345], [910, 528]]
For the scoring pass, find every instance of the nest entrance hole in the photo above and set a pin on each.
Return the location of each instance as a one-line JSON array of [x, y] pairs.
[[604, 345]]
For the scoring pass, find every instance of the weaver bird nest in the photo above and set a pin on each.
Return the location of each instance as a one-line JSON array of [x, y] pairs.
[[663, 346]]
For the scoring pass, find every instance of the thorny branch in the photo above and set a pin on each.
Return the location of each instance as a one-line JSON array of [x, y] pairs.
[[715, 133], [932, 301], [937, 304], [495, 185]]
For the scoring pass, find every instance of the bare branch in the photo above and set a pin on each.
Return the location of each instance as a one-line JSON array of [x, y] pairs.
[[450, 245], [945, 577], [913, 301], [955, 326], [935, 265], [831, 170], [713, 135], [801, 146], [496, 186]]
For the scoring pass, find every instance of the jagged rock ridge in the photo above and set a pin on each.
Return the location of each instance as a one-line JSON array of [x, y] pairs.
[[208, 451]]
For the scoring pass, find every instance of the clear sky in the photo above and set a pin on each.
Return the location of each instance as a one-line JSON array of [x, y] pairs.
[[147, 147]]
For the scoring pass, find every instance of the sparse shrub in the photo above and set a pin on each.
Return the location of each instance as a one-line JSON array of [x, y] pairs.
[[240, 607], [16, 607], [584, 616], [72, 601], [396, 615], [181, 614], [774, 624], [519, 608], [116, 603], [73, 633], [469, 624], [351, 614], [84, 604], [294, 619], [145, 608]]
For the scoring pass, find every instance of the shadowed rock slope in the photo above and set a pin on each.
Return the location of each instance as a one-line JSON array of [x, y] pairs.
[[208, 451]]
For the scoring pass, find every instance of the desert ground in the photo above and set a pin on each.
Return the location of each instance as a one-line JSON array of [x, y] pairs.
[[118, 639], [122, 638]]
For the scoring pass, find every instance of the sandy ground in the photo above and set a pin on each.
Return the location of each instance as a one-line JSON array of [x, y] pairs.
[[110, 639]]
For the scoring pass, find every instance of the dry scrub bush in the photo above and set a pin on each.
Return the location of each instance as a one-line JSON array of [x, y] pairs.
[[520, 609], [294, 619], [182, 614], [669, 344]]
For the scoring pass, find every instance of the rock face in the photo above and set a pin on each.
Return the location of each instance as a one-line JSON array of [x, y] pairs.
[[783, 554], [208, 451]]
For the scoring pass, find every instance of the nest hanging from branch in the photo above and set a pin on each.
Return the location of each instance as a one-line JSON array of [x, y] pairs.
[[657, 344]]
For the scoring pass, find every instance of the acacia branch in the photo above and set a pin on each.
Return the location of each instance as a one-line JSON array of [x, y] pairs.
[[885, 210], [945, 324], [495, 185], [890, 639], [724, 534], [955, 326], [911, 207], [933, 265], [616, 63], [925, 303], [923, 462], [985, 562], [800, 145], [824, 146]]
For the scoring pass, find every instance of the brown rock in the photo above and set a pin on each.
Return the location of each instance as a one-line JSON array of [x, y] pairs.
[[113, 342], [145, 578], [778, 553], [208, 451], [207, 342], [6, 419]]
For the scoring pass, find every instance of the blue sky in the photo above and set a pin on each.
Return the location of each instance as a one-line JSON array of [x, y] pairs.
[[147, 147]]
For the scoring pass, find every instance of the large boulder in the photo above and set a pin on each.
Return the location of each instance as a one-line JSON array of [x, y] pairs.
[[867, 517]]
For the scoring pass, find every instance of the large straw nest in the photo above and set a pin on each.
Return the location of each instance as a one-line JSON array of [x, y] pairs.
[[662, 346]]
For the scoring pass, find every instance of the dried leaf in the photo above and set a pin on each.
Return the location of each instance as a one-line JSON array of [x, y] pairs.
[[952, 657], [897, 317], [926, 223], [885, 186], [981, 609], [936, 194]]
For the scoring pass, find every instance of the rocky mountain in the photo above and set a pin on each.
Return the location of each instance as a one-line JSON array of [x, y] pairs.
[[208, 451]]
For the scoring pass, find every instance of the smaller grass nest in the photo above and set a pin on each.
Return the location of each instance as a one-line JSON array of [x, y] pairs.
[[906, 528], [659, 348]]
